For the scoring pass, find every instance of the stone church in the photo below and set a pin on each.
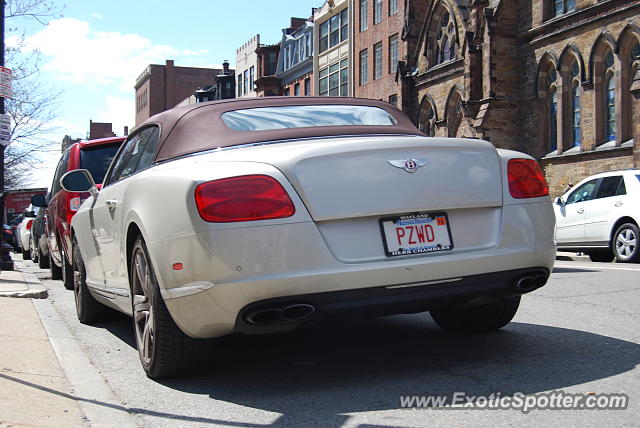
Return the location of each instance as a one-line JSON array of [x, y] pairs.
[[558, 79]]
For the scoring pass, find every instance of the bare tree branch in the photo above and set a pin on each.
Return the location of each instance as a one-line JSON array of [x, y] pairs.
[[34, 106]]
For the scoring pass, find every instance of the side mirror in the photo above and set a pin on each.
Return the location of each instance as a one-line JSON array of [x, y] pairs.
[[39, 201], [79, 180], [559, 201]]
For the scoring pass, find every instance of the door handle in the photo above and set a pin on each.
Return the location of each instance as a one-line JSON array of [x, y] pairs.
[[111, 204], [580, 210], [618, 204]]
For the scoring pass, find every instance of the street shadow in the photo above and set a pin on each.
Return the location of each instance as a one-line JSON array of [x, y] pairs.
[[316, 376]]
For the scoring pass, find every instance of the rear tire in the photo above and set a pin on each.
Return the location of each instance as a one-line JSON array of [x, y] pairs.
[[476, 319], [88, 309], [56, 272], [164, 350], [67, 271], [43, 262], [625, 243]]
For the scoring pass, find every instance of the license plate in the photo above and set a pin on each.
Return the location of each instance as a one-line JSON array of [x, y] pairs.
[[419, 233]]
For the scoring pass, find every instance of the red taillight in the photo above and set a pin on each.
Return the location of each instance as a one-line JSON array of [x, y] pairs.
[[29, 224], [526, 179], [245, 198]]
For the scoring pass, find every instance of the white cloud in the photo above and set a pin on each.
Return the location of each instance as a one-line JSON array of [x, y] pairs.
[[76, 53], [96, 15], [119, 111]]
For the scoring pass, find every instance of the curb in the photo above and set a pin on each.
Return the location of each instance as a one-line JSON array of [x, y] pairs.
[[34, 290], [572, 257]]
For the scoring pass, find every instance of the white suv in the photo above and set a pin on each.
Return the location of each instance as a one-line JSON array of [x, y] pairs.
[[600, 217]]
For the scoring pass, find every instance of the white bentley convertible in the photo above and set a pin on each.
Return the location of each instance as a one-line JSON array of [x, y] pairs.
[[258, 216]]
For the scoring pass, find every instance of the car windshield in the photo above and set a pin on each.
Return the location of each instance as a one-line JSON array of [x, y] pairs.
[[97, 159], [267, 118]]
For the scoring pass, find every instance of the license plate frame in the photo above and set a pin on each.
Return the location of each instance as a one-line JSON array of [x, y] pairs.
[[388, 224]]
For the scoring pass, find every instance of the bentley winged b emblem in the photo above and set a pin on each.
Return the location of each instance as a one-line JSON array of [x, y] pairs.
[[409, 165]]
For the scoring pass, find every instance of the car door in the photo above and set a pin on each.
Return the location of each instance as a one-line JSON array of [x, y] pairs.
[[570, 219], [54, 208], [110, 207], [610, 198]]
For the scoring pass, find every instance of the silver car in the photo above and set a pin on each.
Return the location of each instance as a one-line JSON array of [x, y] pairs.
[[258, 216]]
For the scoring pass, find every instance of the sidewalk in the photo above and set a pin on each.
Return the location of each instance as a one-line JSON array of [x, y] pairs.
[[34, 390]]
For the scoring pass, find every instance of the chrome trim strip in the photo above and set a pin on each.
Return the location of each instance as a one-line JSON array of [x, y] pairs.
[[186, 290], [109, 291], [418, 284]]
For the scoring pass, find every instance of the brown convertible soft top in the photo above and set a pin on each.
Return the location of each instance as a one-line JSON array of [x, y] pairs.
[[199, 127]]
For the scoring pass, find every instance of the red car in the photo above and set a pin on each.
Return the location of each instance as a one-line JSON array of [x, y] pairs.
[[96, 156]]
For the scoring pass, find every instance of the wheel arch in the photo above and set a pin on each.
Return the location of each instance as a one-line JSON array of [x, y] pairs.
[[133, 231], [620, 222]]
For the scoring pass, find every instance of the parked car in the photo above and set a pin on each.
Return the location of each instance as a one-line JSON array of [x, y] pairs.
[[600, 217], [14, 227], [8, 235], [257, 216], [39, 245], [95, 156], [23, 231]]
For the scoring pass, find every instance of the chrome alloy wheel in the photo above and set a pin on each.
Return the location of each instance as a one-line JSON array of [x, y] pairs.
[[626, 242], [143, 317]]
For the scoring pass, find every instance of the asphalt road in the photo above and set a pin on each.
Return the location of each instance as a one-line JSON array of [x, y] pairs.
[[579, 334]]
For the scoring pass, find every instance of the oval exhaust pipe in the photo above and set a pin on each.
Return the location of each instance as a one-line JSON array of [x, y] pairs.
[[298, 312]]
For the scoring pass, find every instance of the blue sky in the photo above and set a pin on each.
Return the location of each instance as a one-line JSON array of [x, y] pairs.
[[95, 51]]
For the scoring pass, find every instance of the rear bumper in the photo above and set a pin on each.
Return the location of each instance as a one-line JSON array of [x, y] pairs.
[[229, 272], [287, 313]]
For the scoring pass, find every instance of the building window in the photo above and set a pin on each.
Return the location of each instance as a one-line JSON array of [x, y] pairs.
[[553, 111], [324, 36], [296, 89], [377, 11], [239, 85], [393, 100], [393, 7], [286, 92], [377, 60], [334, 80], [344, 25], [307, 86], [609, 98], [334, 31], [560, 7], [364, 14], [252, 75], [393, 53], [445, 42], [575, 105], [245, 81], [364, 66]]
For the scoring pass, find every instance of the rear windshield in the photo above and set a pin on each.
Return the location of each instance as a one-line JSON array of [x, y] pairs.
[[97, 159], [266, 118]]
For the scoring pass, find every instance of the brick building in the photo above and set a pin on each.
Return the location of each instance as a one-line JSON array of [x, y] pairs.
[[377, 47], [161, 87], [558, 79], [266, 83], [100, 130]]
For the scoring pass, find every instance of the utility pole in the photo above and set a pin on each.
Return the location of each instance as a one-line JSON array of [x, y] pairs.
[[6, 262]]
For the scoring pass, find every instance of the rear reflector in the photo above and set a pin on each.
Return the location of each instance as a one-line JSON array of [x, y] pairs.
[[526, 179], [29, 224], [245, 198]]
